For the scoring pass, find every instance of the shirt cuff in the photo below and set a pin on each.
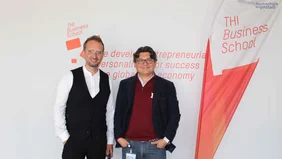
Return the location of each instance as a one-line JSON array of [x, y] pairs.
[[166, 140], [64, 136], [110, 140]]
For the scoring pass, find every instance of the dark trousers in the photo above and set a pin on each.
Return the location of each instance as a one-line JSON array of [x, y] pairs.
[[88, 147]]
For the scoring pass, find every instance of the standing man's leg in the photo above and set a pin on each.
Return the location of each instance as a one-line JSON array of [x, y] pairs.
[[73, 150], [152, 152], [97, 148], [135, 147]]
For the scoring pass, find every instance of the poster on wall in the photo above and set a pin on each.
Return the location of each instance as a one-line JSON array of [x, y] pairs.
[[238, 32]]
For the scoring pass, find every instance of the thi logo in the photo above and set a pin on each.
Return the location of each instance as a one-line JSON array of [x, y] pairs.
[[259, 4], [74, 42]]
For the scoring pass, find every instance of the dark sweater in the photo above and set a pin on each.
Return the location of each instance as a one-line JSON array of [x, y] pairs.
[[141, 124]]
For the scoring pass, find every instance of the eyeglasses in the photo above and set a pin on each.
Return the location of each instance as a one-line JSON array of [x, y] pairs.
[[92, 51], [141, 61]]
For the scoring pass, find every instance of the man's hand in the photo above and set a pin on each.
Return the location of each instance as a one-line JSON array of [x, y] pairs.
[[109, 150], [123, 142], [160, 143]]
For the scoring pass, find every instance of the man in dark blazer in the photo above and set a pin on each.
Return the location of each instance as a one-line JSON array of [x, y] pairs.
[[147, 112]]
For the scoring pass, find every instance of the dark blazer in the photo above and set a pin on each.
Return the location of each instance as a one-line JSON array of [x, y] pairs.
[[166, 114]]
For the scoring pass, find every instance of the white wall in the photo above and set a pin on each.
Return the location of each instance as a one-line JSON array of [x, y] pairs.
[[34, 57], [15, 47]]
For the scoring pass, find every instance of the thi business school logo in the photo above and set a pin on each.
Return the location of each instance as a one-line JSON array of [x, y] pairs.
[[259, 4], [73, 42]]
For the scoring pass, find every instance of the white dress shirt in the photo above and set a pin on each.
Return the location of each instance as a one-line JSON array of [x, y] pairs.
[[63, 90]]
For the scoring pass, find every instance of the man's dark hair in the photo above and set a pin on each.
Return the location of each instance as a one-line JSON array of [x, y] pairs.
[[95, 38], [153, 54]]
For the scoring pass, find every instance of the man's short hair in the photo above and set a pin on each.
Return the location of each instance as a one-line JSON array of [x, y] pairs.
[[153, 54], [95, 38]]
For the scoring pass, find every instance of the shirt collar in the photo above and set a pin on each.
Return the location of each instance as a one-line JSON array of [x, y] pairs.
[[88, 73], [141, 81]]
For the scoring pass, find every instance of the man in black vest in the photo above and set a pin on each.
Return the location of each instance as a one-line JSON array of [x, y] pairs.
[[84, 107]]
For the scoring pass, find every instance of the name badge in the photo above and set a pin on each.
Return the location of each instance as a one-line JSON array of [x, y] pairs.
[[130, 156]]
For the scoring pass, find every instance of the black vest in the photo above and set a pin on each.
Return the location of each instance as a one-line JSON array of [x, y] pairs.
[[86, 116]]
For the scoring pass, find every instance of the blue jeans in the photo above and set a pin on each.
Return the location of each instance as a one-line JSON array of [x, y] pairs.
[[144, 150]]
